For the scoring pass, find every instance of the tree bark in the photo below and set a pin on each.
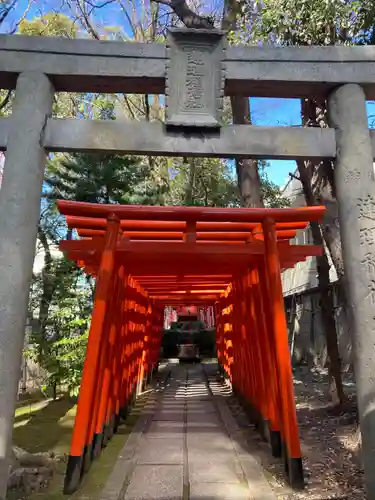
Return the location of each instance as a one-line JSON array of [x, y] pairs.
[[247, 169], [323, 192], [191, 181], [326, 298]]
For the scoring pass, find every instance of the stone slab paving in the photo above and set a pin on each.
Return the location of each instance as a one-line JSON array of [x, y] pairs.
[[184, 447]]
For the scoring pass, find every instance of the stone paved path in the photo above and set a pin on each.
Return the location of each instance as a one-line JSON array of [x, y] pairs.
[[185, 447]]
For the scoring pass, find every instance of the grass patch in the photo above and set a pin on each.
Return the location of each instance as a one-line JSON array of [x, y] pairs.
[[48, 428]]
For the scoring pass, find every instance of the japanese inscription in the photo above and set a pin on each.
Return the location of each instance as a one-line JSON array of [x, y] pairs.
[[366, 207], [366, 220], [368, 262], [352, 176], [195, 78], [371, 291], [366, 236]]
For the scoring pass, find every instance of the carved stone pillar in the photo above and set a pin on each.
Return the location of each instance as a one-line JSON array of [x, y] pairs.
[[19, 216], [355, 186]]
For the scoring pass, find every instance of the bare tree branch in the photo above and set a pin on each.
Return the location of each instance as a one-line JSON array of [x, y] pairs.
[[7, 9], [188, 17], [128, 18], [147, 107], [128, 105], [85, 19], [22, 18], [292, 176], [100, 6]]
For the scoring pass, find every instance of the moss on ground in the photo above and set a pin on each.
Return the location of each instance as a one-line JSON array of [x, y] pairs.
[[48, 427], [30, 398]]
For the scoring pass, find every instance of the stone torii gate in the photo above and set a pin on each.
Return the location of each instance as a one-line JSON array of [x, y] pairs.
[[194, 72]]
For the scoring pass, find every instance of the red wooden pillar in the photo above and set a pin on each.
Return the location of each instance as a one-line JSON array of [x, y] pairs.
[[229, 321], [246, 366], [94, 438], [124, 361], [252, 374], [262, 393], [114, 403], [284, 369], [219, 334], [145, 342], [268, 358], [88, 383], [131, 343], [158, 332], [237, 367], [104, 426]]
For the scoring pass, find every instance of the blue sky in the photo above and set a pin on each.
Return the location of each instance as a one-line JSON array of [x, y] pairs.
[[264, 111], [285, 112]]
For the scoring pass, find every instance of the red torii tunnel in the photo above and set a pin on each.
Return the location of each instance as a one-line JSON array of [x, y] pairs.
[[146, 258]]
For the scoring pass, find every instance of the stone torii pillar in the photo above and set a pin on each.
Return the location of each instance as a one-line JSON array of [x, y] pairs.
[[19, 216], [355, 188]]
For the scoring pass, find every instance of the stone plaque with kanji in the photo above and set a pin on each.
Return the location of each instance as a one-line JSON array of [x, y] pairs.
[[195, 77]]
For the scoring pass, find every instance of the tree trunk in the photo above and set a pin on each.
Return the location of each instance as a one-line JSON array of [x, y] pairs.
[[54, 390], [326, 299], [329, 324], [191, 181], [323, 192], [247, 169]]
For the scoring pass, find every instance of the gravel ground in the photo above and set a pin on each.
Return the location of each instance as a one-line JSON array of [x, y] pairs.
[[329, 441]]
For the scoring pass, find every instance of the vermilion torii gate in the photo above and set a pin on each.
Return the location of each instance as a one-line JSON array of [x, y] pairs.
[[195, 70], [231, 258]]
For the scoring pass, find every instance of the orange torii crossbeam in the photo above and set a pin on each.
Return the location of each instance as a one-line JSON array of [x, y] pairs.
[[147, 258]]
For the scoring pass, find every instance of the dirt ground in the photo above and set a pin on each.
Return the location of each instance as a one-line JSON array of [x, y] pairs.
[[329, 442]]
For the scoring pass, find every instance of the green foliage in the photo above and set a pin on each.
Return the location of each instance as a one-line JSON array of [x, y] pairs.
[[101, 179], [60, 303], [64, 360], [202, 182], [313, 22], [51, 24], [59, 343], [271, 193]]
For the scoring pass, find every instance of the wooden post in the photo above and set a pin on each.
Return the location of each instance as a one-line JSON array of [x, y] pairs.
[[124, 361], [237, 380], [94, 440], [101, 429], [262, 393], [267, 347], [113, 407], [284, 369], [89, 374]]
